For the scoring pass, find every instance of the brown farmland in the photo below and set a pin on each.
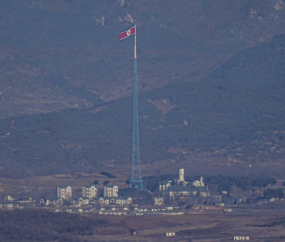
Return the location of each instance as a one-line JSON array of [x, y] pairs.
[[259, 225]]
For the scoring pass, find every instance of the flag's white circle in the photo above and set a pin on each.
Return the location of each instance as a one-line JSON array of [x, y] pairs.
[[128, 32]]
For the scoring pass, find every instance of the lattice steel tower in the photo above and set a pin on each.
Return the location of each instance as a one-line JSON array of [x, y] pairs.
[[136, 180]]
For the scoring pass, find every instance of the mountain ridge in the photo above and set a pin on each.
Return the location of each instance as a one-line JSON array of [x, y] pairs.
[[77, 42]]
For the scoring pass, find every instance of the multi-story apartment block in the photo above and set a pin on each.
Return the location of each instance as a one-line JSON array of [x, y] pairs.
[[111, 191], [89, 191], [64, 192]]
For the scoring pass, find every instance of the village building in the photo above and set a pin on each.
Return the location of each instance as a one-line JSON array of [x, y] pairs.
[[111, 191], [158, 201], [121, 200], [26, 200], [64, 192], [170, 234], [51, 201], [9, 205], [163, 186], [112, 212], [93, 200], [80, 201], [104, 201], [174, 191], [112, 201], [241, 238], [89, 191], [9, 198], [202, 191], [183, 189], [198, 183]]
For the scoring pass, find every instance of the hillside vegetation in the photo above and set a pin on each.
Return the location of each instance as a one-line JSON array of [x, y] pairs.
[[61, 54], [235, 114]]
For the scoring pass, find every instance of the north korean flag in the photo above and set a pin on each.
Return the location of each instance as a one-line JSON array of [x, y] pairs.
[[127, 33]]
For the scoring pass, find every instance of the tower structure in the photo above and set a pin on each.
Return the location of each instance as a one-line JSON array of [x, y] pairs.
[[136, 180], [181, 175]]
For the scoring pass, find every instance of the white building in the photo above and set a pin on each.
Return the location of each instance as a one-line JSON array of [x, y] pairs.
[[170, 234], [9, 205], [179, 191], [89, 191], [163, 186], [9, 198], [181, 175], [198, 183], [240, 238], [181, 180], [158, 201], [51, 201], [111, 191], [64, 192], [80, 201], [104, 201], [121, 200]]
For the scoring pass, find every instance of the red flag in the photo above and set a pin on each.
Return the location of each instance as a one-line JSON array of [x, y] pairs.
[[128, 32]]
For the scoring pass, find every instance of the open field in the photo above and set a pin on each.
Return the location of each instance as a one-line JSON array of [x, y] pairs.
[[195, 227], [266, 225]]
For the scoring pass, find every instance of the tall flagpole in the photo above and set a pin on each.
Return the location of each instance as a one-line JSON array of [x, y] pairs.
[[135, 48], [135, 181]]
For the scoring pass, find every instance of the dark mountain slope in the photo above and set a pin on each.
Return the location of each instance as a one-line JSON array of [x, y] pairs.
[[27, 89], [75, 43], [236, 115], [236, 112], [245, 94]]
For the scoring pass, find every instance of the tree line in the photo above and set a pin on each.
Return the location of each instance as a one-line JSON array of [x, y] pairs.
[[223, 183]]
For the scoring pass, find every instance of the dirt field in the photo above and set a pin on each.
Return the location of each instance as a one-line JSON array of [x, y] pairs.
[[195, 227]]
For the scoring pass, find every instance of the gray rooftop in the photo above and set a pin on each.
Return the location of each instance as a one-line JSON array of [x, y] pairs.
[[179, 189]]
